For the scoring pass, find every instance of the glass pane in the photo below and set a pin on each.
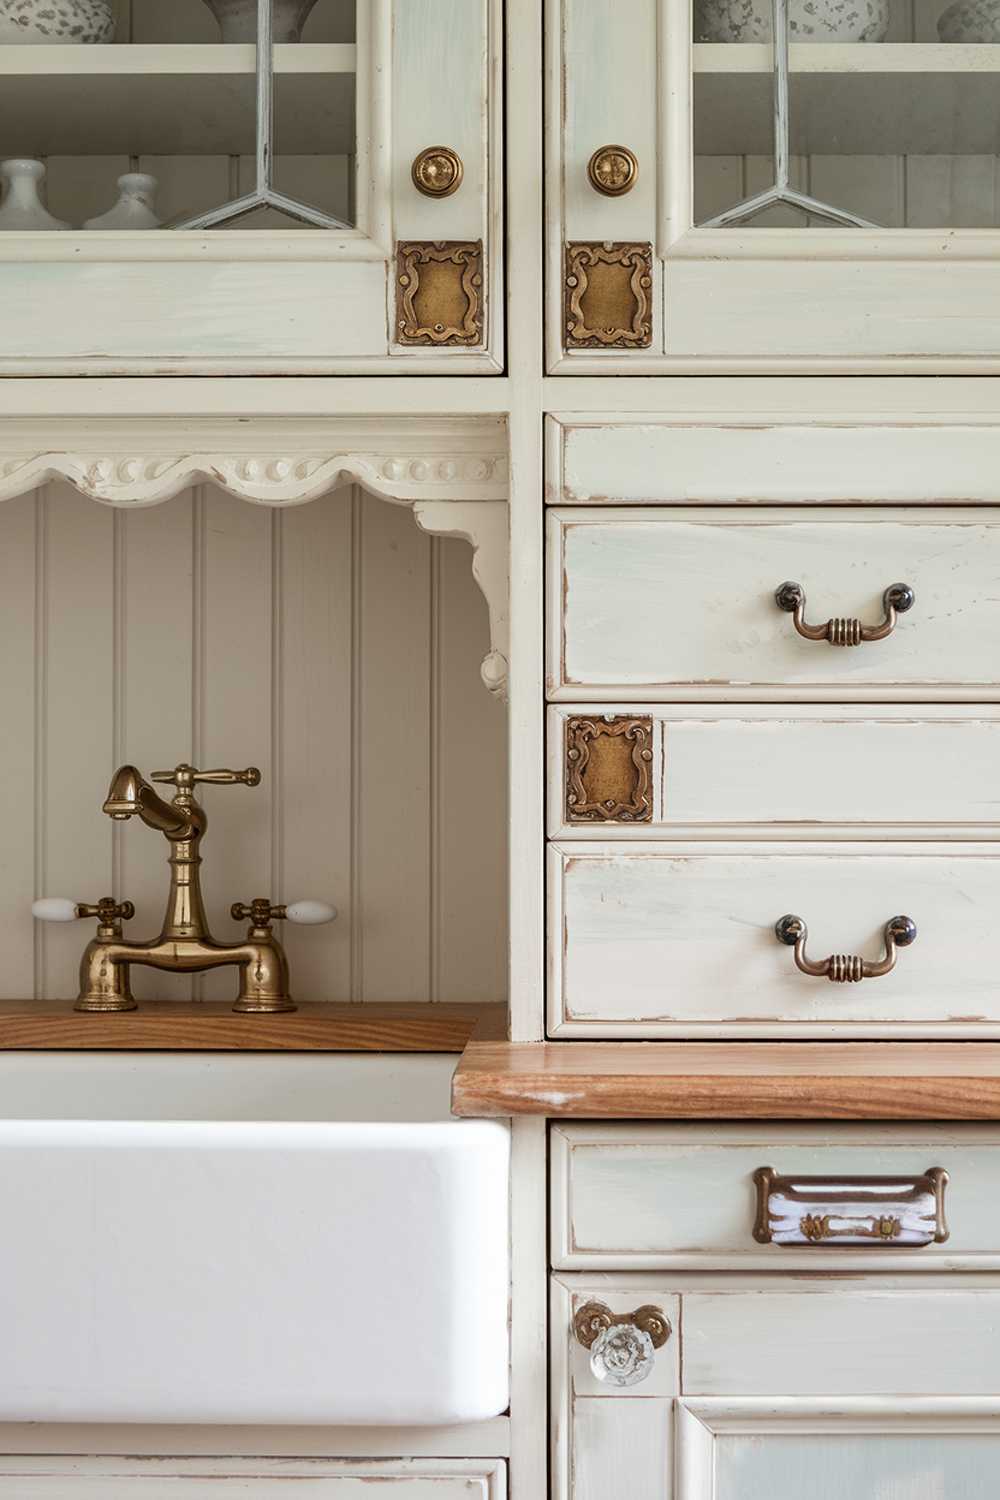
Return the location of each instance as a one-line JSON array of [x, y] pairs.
[[893, 112], [869, 1466], [143, 112]]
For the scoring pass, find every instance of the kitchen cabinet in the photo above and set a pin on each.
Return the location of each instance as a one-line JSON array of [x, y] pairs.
[[330, 204], [709, 210]]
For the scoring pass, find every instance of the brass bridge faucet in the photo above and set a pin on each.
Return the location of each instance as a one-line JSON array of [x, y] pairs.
[[185, 945]]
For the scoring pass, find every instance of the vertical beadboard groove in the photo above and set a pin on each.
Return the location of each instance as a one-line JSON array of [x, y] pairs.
[[276, 705], [357, 962], [40, 731], [198, 653], [434, 780], [119, 608]]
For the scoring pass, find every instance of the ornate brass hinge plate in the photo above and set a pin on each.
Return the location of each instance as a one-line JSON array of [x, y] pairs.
[[439, 293], [609, 303], [608, 769]]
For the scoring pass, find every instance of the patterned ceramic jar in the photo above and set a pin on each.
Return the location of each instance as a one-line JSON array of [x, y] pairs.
[[808, 20], [35, 23], [971, 21]]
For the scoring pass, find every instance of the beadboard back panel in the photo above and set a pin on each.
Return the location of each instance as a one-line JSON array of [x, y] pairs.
[[333, 645]]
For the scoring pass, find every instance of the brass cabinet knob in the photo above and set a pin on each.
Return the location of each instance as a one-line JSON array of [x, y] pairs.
[[845, 968], [896, 600], [613, 170], [437, 172]]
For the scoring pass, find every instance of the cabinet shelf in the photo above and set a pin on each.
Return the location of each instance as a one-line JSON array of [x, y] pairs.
[[881, 99], [172, 100]]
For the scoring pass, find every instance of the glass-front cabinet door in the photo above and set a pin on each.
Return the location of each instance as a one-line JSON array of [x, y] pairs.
[[804, 185], [244, 186]]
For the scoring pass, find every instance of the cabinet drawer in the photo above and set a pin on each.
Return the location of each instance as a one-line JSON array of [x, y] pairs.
[[838, 770], [678, 1196], [679, 940], [675, 603]]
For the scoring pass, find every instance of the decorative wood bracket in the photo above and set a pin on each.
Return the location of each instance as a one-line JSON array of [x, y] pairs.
[[453, 475]]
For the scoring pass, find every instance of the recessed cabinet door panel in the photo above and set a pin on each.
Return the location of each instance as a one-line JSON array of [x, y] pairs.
[[669, 603], [60, 1478], [680, 940]]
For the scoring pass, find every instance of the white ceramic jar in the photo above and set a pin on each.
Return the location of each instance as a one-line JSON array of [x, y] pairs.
[[808, 20], [39, 23], [21, 208], [971, 21], [134, 208]]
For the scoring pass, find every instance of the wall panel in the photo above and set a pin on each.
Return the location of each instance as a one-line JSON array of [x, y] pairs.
[[333, 645]]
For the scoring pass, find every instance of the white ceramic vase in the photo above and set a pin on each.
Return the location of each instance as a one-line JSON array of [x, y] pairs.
[[808, 20], [38, 23], [134, 209], [21, 208], [238, 19], [971, 21]]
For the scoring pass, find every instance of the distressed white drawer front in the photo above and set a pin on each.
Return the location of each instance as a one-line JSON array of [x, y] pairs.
[[648, 1196], [680, 603], [679, 940], [262, 1479], [843, 769]]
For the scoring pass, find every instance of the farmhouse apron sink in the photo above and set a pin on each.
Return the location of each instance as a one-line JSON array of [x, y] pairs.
[[248, 1239]]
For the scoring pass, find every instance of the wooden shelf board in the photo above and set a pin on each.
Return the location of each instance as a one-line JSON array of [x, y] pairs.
[[849, 57], [730, 1080], [170, 1026], [173, 101]]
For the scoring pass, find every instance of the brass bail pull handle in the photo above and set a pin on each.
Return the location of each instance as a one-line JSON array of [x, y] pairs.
[[845, 968], [841, 631]]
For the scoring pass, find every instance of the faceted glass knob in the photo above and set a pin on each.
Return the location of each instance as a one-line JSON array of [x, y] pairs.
[[622, 1355]]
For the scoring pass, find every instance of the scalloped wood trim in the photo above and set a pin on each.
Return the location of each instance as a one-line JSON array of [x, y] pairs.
[[453, 475]]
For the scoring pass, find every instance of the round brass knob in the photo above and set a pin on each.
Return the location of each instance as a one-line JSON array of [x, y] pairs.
[[613, 170], [437, 172]]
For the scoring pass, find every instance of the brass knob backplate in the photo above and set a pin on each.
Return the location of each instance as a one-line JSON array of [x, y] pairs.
[[437, 172], [612, 170]]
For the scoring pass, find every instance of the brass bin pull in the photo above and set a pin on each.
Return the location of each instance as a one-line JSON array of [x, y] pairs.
[[622, 1345], [897, 1211], [896, 600], [845, 968]]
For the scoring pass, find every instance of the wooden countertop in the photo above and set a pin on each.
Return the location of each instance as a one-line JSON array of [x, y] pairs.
[[730, 1080], [171, 1026]]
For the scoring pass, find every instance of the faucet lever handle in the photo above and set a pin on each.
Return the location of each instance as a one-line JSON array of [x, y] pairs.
[[60, 909], [185, 776], [261, 913]]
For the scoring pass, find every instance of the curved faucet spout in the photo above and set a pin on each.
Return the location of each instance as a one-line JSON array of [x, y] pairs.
[[130, 794]]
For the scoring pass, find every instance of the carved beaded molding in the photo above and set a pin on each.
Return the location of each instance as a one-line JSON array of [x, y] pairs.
[[454, 489]]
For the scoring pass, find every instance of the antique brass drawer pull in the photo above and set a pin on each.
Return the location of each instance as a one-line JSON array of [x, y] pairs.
[[612, 170], [896, 600], [853, 1211], [622, 1345], [845, 968]]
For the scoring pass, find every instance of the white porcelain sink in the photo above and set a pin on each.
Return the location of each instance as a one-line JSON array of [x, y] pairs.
[[226, 1238]]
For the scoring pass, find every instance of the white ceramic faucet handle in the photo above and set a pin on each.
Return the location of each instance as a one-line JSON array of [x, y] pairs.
[[310, 913], [54, 909]]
